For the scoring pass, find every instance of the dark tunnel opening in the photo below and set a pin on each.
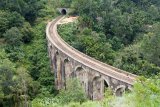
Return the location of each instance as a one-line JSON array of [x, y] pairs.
[[63, 12]]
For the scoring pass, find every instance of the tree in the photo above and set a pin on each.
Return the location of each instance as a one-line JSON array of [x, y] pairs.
[[15, 20], [10, 19], [151, 45], [27, 32], [23, 87], [130, 59], [16, 85], [154, 12], [4, 23], [73, 92], [6, 86], [148, 89], [13, 36], [27, 8], [7, 72]]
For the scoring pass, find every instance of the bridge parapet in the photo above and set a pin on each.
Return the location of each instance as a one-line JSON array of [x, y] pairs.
[[94, 75]]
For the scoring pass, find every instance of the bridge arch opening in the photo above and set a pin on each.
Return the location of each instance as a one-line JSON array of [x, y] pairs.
[[106, 86], [81, 75], [97, 88], [67, 68], [63, 12], [120, 91]]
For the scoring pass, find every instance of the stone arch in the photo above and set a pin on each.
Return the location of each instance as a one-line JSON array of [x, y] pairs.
[[78, 67], [63, 11], [80, 72], [106, 83], [67, 68], [82, 75], [120, 90], [97, 86]]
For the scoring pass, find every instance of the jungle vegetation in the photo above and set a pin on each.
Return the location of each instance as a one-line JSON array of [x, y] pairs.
[[122, 33]]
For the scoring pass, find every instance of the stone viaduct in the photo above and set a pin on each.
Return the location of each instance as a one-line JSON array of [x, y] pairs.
[[94, 76]]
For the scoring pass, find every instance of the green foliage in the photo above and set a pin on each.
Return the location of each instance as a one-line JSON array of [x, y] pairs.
[[118, 32], [130, 59], [72, 93], [13, 37], [146, 93], [45, 102], [63, 3], [16, 85], [154, 12], [36, 62], [148, 90], [27, 8], [151, 45], [49, 10], [27, 32], [9, 19], [22, 44], [6, 85]]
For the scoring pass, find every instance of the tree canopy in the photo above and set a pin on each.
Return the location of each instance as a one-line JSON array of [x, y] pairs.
[[122, 33]]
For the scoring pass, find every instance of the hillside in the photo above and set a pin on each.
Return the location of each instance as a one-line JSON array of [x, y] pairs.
[[122, 33]]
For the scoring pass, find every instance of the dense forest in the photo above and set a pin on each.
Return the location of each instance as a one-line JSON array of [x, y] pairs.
[[122, 33]]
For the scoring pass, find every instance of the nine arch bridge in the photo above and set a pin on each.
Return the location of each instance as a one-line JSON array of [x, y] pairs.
[[94, 75]]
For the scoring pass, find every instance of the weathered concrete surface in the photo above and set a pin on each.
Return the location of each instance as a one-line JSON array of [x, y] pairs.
[[94, 75]]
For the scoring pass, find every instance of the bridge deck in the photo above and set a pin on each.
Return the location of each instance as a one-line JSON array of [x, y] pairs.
[[103, 68]]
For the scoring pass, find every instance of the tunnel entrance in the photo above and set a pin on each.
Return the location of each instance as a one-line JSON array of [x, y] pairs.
[[63, 12]]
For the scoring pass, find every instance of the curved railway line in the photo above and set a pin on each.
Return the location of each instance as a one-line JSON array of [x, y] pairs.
[[105, 69]]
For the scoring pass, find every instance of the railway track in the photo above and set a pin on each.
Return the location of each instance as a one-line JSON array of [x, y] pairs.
[[105, 69]]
